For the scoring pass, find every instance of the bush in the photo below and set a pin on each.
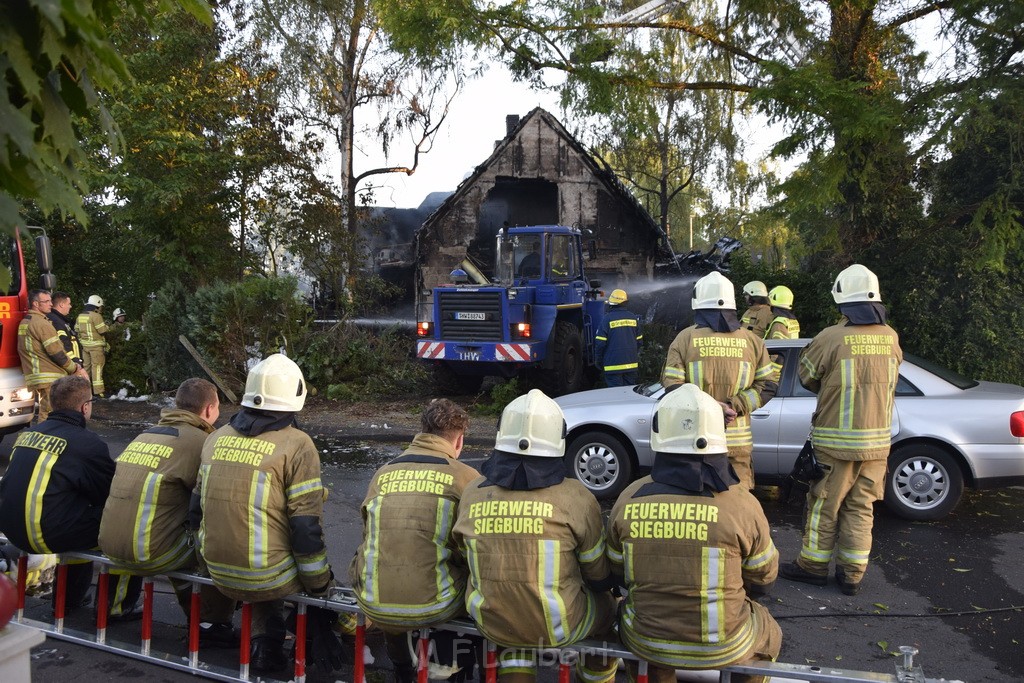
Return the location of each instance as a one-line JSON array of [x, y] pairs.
[[501, 395], [126, 361]]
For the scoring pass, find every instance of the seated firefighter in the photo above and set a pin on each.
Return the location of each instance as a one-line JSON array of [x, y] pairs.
[[144, 521], [408, 573], [534, 543], [260, 500], [52, 495], [694, 550]]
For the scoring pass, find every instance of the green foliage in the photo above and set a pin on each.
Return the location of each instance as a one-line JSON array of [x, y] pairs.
[[126, 360], [54, 60], [812, 290], [654, 350], [500, 395], [353, 362], [229, 324]]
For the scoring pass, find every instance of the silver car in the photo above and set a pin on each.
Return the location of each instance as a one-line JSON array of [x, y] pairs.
[[947, 432]]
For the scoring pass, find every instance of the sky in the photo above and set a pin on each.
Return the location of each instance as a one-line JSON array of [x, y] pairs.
[[475, 122]]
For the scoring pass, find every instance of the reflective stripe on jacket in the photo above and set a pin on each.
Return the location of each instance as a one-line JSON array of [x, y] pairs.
[[67, 336], [757, 318], [529, 553], [783, 328], [685, 560], [262, 503], [733, 367], [43, 360], [143, 526], [854, 370], [408, 571], [52, 495], [91, 329], [617, 344]]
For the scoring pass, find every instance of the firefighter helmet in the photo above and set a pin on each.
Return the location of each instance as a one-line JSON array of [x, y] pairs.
[[781, 296], [275, 383], [118, 312], [714, 291], [856, 283], [532, 424], [688, 422], [755, 288], [95, 300], [618, 297]]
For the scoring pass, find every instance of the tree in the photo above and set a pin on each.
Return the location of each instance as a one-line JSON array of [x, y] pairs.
[[54, 61]]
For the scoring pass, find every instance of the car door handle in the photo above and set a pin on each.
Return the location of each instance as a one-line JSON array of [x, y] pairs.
[[761, 414]]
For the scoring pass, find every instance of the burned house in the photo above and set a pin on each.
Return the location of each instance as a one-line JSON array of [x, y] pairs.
[[539, 174]]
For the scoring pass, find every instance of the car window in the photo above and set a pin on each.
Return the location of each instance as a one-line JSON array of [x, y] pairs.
[[954, 378]]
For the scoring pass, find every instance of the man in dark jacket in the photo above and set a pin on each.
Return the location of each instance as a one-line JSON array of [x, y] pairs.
[[618, 343], [60, 316], [52, 496]]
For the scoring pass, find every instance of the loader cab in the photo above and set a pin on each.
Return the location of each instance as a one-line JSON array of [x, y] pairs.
[[534, 256]]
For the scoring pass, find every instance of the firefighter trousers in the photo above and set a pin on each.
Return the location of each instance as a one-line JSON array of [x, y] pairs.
[[95, 358], [517, 665], [766, 648], [839, 516], [740, 457], [43, 406]]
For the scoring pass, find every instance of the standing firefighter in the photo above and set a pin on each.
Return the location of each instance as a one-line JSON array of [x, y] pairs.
[[43, 359], [617, 344], [91, 328], [694, 551], [727, 362], [408, 573], [144, 521], [262, 505], [758, 315], [784, 325], [535, 547], [853, 366]]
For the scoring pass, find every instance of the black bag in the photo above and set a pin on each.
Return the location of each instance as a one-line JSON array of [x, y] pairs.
[[806, 471]]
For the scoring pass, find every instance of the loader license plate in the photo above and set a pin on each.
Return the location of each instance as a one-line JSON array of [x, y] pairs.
[[470, 316]]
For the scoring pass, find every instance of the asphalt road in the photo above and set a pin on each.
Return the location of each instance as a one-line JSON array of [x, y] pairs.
[[954, 589]]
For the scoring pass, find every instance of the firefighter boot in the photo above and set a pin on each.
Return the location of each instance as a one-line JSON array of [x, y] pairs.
[[847, 587], [267, 655], [794, 572]]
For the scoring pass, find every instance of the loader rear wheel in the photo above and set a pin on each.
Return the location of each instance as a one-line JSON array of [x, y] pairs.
[[566, 373]]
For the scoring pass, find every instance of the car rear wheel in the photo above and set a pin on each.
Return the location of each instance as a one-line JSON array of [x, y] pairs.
[[601, 462], [924, 483]]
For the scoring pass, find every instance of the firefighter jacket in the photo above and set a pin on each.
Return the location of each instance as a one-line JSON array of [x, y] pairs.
[[144, 520], [617, 344], [408, 571], [262, 508], [91, 328], [43, 360], [529, 554], [68, 337], [757, 318], [733, 367], [688, 561], [52, 494], [783, 327], [853, 369]]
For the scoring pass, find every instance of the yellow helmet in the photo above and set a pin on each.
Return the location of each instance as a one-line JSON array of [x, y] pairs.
[[688, 422], [618, 297], [854, 284], [714, 291], [781, 296], [532, 424], [275, 383], [755, 288]]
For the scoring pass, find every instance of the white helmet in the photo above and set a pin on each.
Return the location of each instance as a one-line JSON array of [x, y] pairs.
[[714, 291], [532, 424], [856, 283], [95, 300], [275, 383], [118, 312], [688, 422], [755, 288]]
